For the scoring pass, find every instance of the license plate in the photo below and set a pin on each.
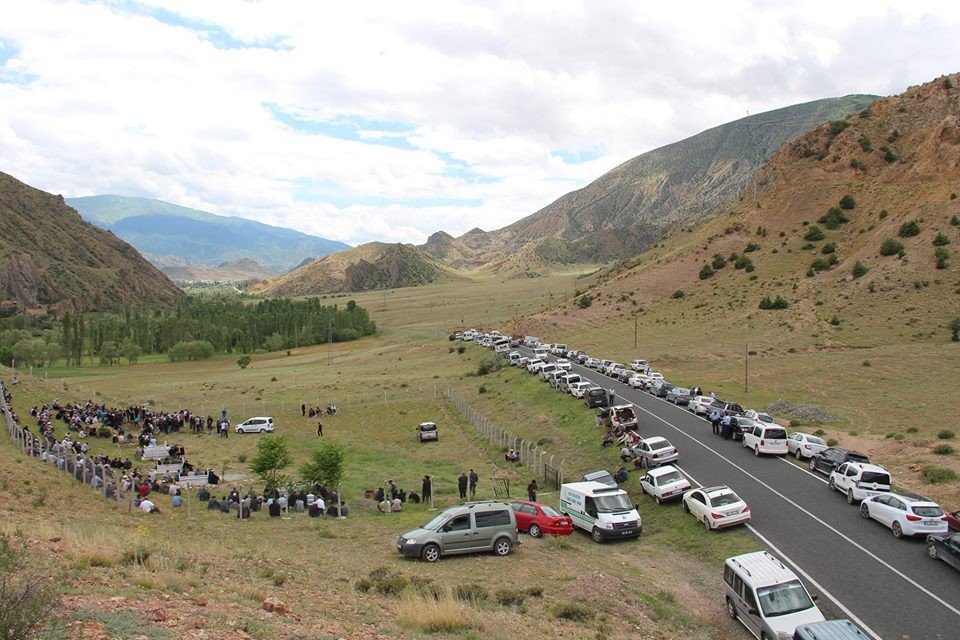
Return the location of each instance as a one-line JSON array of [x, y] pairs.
[[668, 493], [931, 523], [625, 533]]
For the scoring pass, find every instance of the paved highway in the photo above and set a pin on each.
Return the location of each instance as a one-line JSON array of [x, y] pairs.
[[888, 585]]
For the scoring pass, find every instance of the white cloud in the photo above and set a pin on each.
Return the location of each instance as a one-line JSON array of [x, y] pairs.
[[464, 112]]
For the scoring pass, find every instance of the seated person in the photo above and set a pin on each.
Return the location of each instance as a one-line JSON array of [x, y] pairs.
[[626, 454], [397, 504], [275, 509], [177, 500], [414, 497]]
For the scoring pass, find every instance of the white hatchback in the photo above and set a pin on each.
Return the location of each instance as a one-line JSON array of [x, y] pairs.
[[905, 514], [764, 438], [716, 507], [664, 483]]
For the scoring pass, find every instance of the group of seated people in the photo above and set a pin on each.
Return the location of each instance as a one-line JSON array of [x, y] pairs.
[[512, 455], [330, 410], [316, 504], [393, 498]]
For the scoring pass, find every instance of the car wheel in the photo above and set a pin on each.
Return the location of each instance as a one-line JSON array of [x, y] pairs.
[[756, 451], [897, 530], [502, 547], [864, 510], [731, 610], [430, 553], [596, 535], [831, 484], [813, 464], [658, 499], [261, 430], [706, 523], [850, 498], [241, 431], [535, 531], [686, 508], [932, 550], [797, 454]]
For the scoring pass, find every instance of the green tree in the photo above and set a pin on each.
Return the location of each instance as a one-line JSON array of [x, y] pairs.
[[955, 329], [29, 352], [273, 456], [706, 271], [891, 246], [847, 202], [131, 351], [109, 353], [909, 229], [813, 234], [325, 465], [274, 342], [52, 352], [243, 361]]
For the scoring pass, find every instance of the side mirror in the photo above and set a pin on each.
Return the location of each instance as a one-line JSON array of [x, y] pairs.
[[815, 597]]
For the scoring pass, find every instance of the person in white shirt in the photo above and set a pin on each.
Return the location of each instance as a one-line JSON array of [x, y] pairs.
[[147, 506]]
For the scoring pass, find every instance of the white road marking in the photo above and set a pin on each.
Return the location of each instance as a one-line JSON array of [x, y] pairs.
[[811, 515]]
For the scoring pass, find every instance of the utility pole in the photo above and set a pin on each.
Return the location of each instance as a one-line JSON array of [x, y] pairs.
[[329, 341], [635, 331], [746, 368]]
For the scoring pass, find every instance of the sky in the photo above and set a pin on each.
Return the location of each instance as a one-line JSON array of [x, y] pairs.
[[389, 121]]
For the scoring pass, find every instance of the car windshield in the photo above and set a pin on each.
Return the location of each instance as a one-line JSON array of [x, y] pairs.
[[613, 504], [436, 521], [550, 511], [662, 444], [724, 499], [870, 477], [428, 427], [764, 418], [776, 434], [783, 599], [680, 391], [816, 440], [931, 511], [667, 478]]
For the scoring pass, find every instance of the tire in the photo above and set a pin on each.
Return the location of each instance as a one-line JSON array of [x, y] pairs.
[[502, 547], [706, 523], [535, 531], [897, 530], [850, 497], [797, 454], [831, 484], [932, 550], [813, 464], [261, 430], [686, 509], [756, 451], [658, 499], [864, 511], [731, 610], [597, 537], [430, 553]]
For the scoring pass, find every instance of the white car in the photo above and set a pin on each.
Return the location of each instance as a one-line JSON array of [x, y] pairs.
[[716, 507], [577, 389], [611, 367], [534, 365], [563, 363], [639, 381], [859, 480], [664, 483], [260, 424], [765, 438], [654, 376], [639, 365], [759, 416], [906, 514], [591, 363], [700, 405], [803, 445], [654, 451]]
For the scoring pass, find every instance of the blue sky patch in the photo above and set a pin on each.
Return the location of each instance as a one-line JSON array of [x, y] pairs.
[[327, 192], [349, 127], [576, 157]]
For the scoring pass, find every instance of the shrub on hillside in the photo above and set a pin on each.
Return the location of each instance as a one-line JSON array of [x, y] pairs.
[[679, 293], [830, 247], [837, 127], [706, 271], [777, 303], [943, 450], [937, 475], [890, 247], [585, 300], [946, 434], [813, 234], [833, 218], [955, 330], [847, 202], [909, 229], [942, 254], [718, 262], [753, 246], [860, 269], [941, 240], [192, 350], [490, 364], [820, 264], [572, 611], [865, 143], [888, 154]]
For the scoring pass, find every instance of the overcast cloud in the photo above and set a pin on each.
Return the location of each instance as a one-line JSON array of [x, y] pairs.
[[391, 120]]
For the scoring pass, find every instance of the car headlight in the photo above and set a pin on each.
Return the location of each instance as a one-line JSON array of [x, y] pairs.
[[409, 541]]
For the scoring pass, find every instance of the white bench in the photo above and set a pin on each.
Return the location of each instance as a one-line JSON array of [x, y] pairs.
[[170, 468], [192, 481], [157, 452]]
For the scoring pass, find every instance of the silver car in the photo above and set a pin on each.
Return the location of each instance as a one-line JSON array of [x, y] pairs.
[[654, 451], [803, 445], [475, 527]]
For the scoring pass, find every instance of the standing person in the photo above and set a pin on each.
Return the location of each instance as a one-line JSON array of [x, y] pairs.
[[224, 428], [532, 490], [611, 394], [474, 479], [303, 409], [426, 489], [727, 427], [462, 485], [319, 428], [715, 421]]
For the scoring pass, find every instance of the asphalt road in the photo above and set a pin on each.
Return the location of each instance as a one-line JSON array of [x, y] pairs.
[[890, 586]]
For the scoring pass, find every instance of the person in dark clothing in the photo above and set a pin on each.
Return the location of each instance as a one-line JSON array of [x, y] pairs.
[[319, 428], [622, 475], [275, 509], [727, 428], [474, 479], [462, 482], [413, 497], [426, 489], [532, 490], [303, 409], [379, 495]]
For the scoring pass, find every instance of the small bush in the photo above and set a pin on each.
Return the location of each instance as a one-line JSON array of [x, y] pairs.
[[509, 597], [865, 143], [946, 434], [819, 433], [912, 429], [955, 221], [830, 247], [813, 234], [890, 247], [742, 262], [750, 248], [534, 592], [461, 349], [860, 270], [937, 475], [490, 364], [471, 592], [941, 240], [585, 300], [572, 611], [835, 320], [943, 450], [242, 458], [718, 262], [943, 257], [833, 218], [391, 585], [832, 442], [706, 272], [847, 202], [435, 615], [837, 127], [778, 303], [888, 154], [679, 293], [820, 264], [909, 229]]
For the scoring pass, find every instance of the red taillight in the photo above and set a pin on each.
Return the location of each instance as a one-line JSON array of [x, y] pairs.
[[716, 515], [745, 510], [806, 446], [913, 518], [762, 443], [656, 455]]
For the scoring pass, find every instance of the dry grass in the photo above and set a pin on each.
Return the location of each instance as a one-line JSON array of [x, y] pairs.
[[436, 615]]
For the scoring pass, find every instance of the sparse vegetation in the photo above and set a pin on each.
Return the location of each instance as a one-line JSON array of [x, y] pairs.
[[833, 218], [943, 450], [572, 611], [891, 246], [942, 255], [933, 474], [29, 598], [719, 262], [946, 434], [813, 234], [865, 143], [243, 361], [679, 293], [706, 271], [830, 247], [909, 229], [585, 300], [837, 127], [847, 202], [860, 270], [777, 303], [941, 240]]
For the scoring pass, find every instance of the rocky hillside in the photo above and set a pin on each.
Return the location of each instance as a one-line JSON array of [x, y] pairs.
[[53, 260], [625, 210], [855, 227], [178, 269], [169, 232], [375, 265]]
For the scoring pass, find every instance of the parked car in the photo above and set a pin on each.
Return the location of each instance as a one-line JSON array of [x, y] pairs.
[[700, 405], [832, 457], [591, 363], [765, 438], [804, 445], [568, 379], [601, 475], [261, 424], [623, 416], [624, 375], [716, 507], [907, 514], [830, 630], [726, 408], [533, 366], [767, 597], [654, 376], [563, 363], [859, 480], [664, 483], [577, 389], [639, 381], [946, 547], [539, 519], [546, 370], [595, 397], [661, 388], [953, 520], [469, 528], [654, 451], [611, 368], [759, 416], [678, 396], [427, 432], [602, 367], [640, 366]]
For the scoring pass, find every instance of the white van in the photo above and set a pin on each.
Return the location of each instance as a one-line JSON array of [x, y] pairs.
[[606, 512], [541, 353], [766, 596], [766, 438]]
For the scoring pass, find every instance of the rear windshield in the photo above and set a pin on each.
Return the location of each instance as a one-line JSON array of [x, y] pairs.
[[765, 418], [857, 457], [775, 434], [928, 512], [724, 499], [662, 444], [816, 440], [681, 391], [667, 478], [428, 427], [871, 477], [783, 599], [597, 392], [550, 511]]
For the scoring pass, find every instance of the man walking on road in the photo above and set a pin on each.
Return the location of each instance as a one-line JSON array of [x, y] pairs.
[[462, 485]]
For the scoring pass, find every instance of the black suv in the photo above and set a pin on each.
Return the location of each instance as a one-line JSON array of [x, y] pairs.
[[725, 408], [595, 397], [830, 459]]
